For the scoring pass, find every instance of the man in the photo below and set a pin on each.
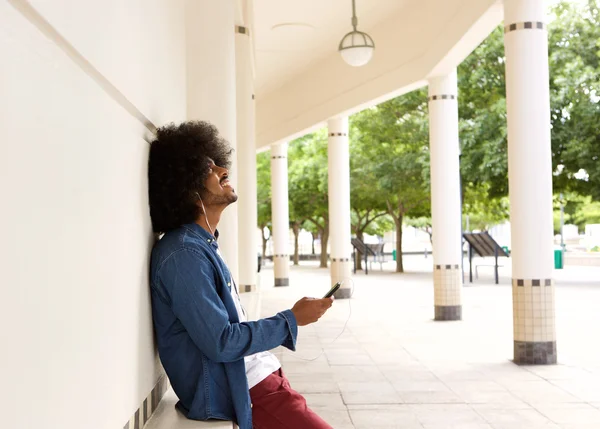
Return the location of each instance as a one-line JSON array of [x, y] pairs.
[[217, 362]]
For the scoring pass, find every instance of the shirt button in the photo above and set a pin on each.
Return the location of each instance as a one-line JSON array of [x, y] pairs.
[[208, 240], [229, 284]]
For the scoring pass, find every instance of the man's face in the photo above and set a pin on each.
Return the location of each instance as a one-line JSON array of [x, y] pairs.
[[218, 189]]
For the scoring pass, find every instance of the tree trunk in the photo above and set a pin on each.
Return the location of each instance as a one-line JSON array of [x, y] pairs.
[[359, 256], [296, 229], [264, 244], [313, 242], [399, 262], [324, 240]]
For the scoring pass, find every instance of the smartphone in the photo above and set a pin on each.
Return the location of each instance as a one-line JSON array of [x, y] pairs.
[[333, 290]]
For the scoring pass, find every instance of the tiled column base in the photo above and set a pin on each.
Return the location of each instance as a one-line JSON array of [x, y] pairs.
[[143, 413], [282, 270], [282, 282], [448, 312], [341, 271], [248, 288], [533, 321], [535, 353], [447, 284]]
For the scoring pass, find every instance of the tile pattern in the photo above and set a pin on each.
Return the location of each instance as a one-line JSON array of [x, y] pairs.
[[533, 310], [143, 413], [442, 97], [282, 282], [282, 269], [447, 286], [527, 25], [248, 288], [448, 312], [443, 375], [242, 30], [535, 353]]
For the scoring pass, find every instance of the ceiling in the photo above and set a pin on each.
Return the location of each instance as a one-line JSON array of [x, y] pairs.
[[301, 80], [290, 36]]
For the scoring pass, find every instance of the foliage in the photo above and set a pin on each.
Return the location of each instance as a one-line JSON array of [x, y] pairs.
[[574, 44], [393, 159], [308, 181]]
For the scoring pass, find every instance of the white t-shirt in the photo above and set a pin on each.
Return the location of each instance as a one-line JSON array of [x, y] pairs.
[[260, 365]]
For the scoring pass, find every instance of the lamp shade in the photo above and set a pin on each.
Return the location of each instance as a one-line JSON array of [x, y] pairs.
[[357, 48]]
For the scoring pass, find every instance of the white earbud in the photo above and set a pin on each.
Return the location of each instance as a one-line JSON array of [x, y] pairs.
[[205, 217]]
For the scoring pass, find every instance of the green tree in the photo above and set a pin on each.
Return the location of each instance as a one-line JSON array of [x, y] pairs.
[[482, 113], [263, 176], [574, 44], [308, 181], [395, 138], [368, 209], [574, 61]]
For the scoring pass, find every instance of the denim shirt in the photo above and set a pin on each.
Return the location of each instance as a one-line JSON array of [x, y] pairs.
[[201, 342]]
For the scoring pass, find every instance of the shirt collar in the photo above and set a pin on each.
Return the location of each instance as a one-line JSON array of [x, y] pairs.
[[197, 230]]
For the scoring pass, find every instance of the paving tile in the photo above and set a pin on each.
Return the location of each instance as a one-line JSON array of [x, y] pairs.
[[540, 392], [512, 418], [399, 373], [315, 386], [324, 400], [343, 357], [426, 392], [304, 367], [356, 373], [481, 392], [339, 419], [458, 426], [455, 415], [586, 389], [558, 372], [369, 393], [393, 418], [457, 375], [570, 413]]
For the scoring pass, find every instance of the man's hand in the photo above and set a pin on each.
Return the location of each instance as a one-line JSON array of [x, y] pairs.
[[309, 310]]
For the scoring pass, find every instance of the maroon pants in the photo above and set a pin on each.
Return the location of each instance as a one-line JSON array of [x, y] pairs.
[[275, 405]]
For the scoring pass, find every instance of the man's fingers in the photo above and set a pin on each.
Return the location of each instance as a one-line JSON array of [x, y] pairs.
[[327, 302]]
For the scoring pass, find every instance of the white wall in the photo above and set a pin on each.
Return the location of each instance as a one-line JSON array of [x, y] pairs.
[[75, 321]]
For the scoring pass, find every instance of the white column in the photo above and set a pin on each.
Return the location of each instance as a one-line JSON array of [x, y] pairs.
[[445, 196], [338, 153], [280, 214], [246, 155], [530, 180], [211, 94]]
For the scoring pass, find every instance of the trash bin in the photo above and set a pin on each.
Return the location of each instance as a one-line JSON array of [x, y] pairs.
[[558, 259], [394, 254]]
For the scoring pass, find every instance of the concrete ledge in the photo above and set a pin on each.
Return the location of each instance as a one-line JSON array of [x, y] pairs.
[[167, 417]]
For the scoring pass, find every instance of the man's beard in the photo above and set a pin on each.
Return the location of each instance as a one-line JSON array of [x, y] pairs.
[[219, 200]]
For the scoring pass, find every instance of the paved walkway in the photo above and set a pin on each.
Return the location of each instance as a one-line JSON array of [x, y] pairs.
[[394, 367]]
